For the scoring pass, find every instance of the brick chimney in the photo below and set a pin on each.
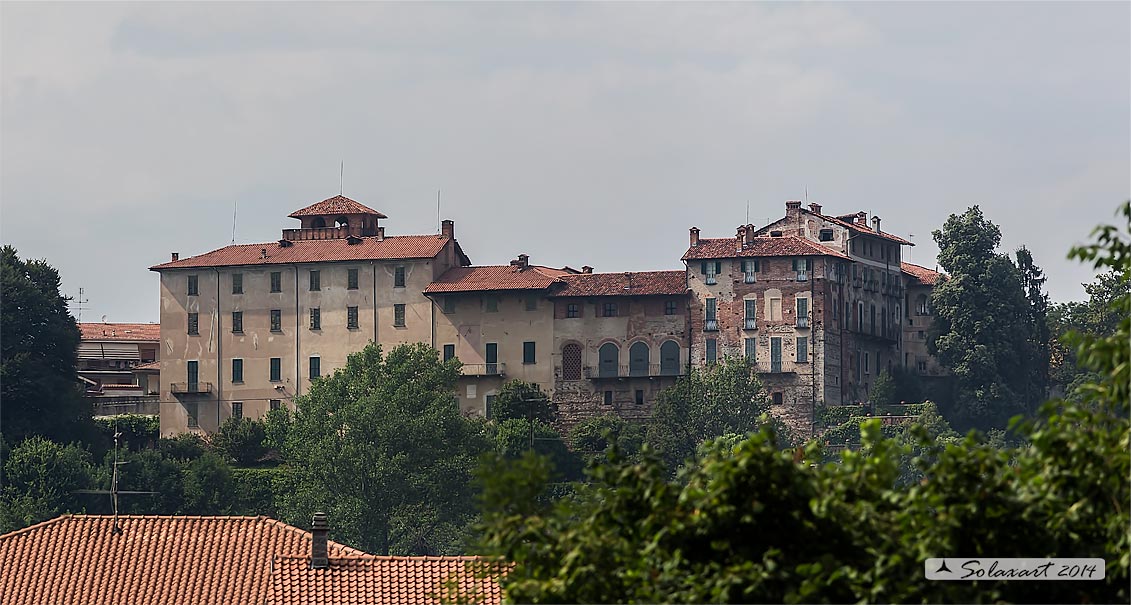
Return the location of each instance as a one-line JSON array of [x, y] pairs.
[[586, 269], [876, 224], [792, 208], [815, 208], [694, 236], [862, 218], [380, 233], [176, 256], [319, 549], [448, 229], [522, 262], [741, 237]]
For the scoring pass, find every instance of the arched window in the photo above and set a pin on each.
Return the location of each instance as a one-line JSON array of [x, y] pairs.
[[638, 359], [921, 305], [571, 362], [318, 222], [669, 358], [610, 358], [343, 221]]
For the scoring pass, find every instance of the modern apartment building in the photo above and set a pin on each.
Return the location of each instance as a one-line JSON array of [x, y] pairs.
[[816, 302]]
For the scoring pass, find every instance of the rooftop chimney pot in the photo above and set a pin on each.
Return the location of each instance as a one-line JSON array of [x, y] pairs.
[[448, 229], [586, 269], [694, 236], [876, 224], [380, 233], [319, 549], [176, 256], [815, 208]]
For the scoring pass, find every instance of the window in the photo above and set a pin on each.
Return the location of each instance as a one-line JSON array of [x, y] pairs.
[[921, 307], [571, 362], [237, 410], [351, 279], [921, 365], [669, 358], [528, 352], [750, 270], [712, 323], [860, 317], [775, 355], [237, 321], [491, 304], [610, 309], [190, 411], [449, 352], [276, 369], [315, 367], [777, 398], [398, 277], [639, 397], [193, 370], [712, 350], [750, 307], [315, 280], [608, 398], [775, 308], [276, 281], [873, 324], [398, 316], [531, 303], [638, 358], [802, 266], [351, 318], [802, 349], [315, 318], [237, 283], [276, 320], [572, 310], [276, 404], [867, 359], [750, 349], [491, 357], [489, 406], [609, 359], [669, 307], [237, 370], [193, 286], [826, 235], [449, 304], [193, 324], [922, 335], [803, 312], [710, 270]]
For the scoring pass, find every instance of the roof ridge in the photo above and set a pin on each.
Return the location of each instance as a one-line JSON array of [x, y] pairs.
[[304, 533], [36, 526]]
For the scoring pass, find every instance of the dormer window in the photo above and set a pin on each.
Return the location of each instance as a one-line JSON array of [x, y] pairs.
[[826, 235]]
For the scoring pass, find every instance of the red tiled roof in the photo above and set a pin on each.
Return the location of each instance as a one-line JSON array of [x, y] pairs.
[[339, 204], [378, 581], [923, 275], [642, 283], [117, 331], [312, 251], [495, 277], [153, 365], [788, 245], [846, 220], [156, 559]]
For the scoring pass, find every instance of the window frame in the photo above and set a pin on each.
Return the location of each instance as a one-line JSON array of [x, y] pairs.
[[529, 352], [448, 352], [237, 283], [352, 318], [670, 307], [609, 309], [353, 278], [712, 351], [315, 280], [399, 315], [399, 277], [237, 410], [276, 320], [750, 313], [449, 305], [237, 322], [193, 286], [275, 369], [802, 346], [192, 411], [573, 310], [193, 327], [276, 281], [237, 370], [314, 369], [316, 318]]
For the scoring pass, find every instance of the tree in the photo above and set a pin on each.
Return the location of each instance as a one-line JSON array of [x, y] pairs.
[[151, 471], [1098, 316], [884, 390], [723, 398], [1037, 349], [513, 437], [592, 437], [381, 447], [240, 440], [518, 399], [40, 479], [981, 332], [208, 486], [38, 340]]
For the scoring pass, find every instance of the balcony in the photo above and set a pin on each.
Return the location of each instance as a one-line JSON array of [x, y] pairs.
[[711, 325], [190, 388], [802, 276], [484, 369], [652, 370], [750, 325], [711, 279], [802, 322], [315, 233]]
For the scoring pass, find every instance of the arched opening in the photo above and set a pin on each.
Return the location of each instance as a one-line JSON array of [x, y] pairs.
[[921, 306], [669, 358], [343, 221], [609, 356], [638, 359], [571, 362], [318, 222]]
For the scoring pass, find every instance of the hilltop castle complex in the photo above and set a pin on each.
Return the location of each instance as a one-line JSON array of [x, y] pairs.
[[818, 304]]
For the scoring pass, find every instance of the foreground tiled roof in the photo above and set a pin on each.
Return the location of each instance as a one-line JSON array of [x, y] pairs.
[[495, 277], [378, 581], [339, 204], [923, 275], [116, 331], [311, 251], [156, 559], [643, 283], [153, 365], [788, 245]]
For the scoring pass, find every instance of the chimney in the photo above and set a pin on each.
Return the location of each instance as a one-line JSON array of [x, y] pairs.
[[263, 252], [176, 256], [694, 236], [448, 229], [319, 551], [862, 218], [380, 233], [741, 237], [586, 269], [876, 224], [792, 208], [815, 208], [522, 262]]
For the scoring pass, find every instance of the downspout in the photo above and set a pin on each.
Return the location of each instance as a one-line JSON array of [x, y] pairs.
[[298, 356], [813, 334], [687, 316], [373, 266], [219, 352]]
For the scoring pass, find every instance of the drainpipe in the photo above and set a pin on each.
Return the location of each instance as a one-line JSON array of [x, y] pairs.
[[687, 316], [298, 356], [813, 343], [373, 266], [219, 352]]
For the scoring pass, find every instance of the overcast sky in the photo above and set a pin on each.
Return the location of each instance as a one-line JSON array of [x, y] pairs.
[[580, 134]]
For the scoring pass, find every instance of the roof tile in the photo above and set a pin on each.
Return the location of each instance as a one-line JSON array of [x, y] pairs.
[[339, 204], [923, 275], [641, 283], [120, 331], [788, 245], [495, 277], [310, 251]]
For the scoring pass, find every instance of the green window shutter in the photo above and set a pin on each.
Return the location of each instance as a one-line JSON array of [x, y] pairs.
[[795, 264], [718, 267], [703, 269], [808, 264], [756, 266]]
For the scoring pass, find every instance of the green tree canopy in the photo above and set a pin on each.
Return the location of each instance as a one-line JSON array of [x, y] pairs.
[[240, 440], [381, 447], [591, 438], [39, 340], [39, 482], [518, 399]]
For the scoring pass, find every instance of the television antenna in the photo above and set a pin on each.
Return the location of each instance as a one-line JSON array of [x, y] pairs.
[[114, 491], [78, 304]]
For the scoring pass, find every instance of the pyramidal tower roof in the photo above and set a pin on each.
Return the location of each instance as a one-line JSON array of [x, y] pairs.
[[339, 204]]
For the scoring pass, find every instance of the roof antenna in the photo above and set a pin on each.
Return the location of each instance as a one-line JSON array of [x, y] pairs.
[[233, 221], [78, 304], [806, 193], [438, 224], [910, 248], [342, 178], [747, 212], [115, 528]]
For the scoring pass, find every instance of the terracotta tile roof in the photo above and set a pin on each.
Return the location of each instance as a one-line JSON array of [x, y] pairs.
[[847, 220], [377, 581], [117, 331], [788, 245], [642, 283], [923, 275], [311, 251], [156, 559], [153, 365], [339, 204], [495, 277]]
